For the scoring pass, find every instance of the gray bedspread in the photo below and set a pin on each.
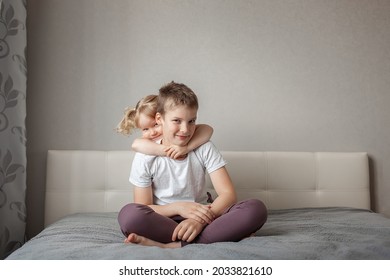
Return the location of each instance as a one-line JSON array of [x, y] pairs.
[[307, 233]]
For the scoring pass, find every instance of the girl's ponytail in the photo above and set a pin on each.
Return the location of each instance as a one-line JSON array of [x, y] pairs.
[[127, 124]]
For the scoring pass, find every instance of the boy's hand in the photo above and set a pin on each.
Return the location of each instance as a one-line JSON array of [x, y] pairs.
[[187, 230], [176, 152], [196, 211]]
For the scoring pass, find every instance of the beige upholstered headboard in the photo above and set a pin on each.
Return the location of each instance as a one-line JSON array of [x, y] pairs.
[[97, 181]]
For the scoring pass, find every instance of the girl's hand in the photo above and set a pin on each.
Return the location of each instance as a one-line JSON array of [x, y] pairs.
[[187, 230], [175, 152], [196, 211]]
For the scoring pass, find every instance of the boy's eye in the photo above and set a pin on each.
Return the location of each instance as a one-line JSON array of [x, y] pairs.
[[192, 121], [145, 129]]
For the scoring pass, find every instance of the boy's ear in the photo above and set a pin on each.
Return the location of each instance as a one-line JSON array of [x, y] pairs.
[[158, 118]]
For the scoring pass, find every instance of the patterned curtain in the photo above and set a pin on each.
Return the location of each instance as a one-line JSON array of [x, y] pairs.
[[13, 80]]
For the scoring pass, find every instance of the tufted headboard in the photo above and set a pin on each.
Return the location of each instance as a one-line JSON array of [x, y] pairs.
[[97, 181]]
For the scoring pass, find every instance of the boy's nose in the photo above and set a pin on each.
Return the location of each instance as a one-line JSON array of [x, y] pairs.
[[184, 127]]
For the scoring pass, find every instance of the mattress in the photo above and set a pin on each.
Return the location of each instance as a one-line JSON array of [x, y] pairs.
[[331, 233]]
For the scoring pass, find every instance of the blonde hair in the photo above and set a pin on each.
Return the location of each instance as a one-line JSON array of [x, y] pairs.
[[129, 122], [174, 94]]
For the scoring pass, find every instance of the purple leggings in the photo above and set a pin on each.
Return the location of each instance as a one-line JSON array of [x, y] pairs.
[[237, 222]]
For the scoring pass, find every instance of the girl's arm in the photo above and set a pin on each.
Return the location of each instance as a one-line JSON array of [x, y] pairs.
[[148, 147], [202, 134]]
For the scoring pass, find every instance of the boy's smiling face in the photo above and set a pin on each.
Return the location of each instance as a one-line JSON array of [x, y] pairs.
[[178, 125]]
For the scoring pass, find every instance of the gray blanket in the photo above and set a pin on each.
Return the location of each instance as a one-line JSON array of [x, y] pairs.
[[307, 233]]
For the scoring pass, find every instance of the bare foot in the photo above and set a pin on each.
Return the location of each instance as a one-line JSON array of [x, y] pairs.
[[140, 240]]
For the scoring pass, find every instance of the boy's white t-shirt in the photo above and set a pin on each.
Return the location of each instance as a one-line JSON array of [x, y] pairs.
[[176, 180]]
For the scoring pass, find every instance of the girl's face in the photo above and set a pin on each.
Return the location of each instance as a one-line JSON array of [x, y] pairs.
[[149, 127]]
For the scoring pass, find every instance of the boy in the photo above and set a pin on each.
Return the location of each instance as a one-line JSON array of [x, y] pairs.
[[170, 208]]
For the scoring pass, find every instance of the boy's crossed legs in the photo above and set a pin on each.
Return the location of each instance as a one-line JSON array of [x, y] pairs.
[[142, 225]]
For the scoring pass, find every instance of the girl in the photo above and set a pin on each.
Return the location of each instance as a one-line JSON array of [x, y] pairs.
[[143, 117]]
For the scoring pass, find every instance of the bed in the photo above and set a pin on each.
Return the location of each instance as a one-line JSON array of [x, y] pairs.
[[318, 202]]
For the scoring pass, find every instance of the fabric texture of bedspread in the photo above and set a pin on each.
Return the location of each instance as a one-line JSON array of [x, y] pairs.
[[306, 233]]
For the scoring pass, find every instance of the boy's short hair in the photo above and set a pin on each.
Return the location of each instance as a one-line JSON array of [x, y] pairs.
[[174, 94]]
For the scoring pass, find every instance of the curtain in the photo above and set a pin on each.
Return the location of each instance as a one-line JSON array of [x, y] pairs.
[[13, 84]]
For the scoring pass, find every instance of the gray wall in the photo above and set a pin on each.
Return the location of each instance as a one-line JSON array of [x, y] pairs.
[[271, 75]]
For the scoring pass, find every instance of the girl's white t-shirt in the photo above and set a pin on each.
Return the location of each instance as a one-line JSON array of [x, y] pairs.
[[176, 180]]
